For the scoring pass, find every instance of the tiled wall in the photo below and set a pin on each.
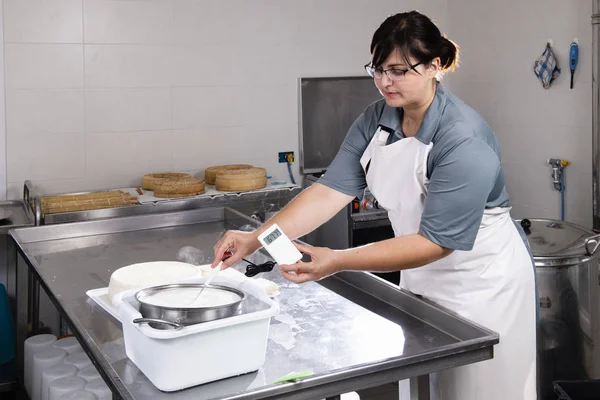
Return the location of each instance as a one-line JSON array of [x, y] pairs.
[[500, 42], [99, 92]]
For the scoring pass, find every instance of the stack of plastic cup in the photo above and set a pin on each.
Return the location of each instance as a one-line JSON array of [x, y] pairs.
[[43, 360], [33, 345], [57, 372], [69, 344], [80, 360], [89, 373], [78, 395], [100, 389], [64, 386]]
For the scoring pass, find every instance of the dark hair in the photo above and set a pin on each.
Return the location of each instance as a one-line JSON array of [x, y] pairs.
[[414, 34]]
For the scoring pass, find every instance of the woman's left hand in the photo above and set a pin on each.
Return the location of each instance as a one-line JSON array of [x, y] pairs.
[[323, 263]]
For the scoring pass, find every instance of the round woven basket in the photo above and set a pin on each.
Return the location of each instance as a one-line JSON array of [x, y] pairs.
[[150, 180], [241, 179], [210, 174]]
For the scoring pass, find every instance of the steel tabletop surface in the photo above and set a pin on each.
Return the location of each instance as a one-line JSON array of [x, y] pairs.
[[351, 330]]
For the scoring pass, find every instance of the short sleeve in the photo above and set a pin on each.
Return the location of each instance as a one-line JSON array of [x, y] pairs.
[[345, 174], [460, 183]]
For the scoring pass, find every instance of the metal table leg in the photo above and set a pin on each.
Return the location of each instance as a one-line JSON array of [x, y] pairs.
[[23, 309], [419, 388], [35, 306]]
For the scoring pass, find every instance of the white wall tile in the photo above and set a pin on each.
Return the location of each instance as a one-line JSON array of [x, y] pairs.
[[45, 157], [113, 66], [207, 106], [207, 22], [262, 143], [43, 21], [270, 105], [260, 26], [578, 197], [43, 66], [14, 190], [132, 22], [198, 149], [115, 110], [128, 153], [207, 66], [44, 111]]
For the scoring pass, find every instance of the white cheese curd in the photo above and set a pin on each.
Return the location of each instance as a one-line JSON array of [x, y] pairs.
[[143, 275]]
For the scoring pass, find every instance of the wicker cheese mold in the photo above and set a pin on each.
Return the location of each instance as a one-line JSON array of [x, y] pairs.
[[235, 180], [210, 174], [87, 201], [181, 187], [149, 181]]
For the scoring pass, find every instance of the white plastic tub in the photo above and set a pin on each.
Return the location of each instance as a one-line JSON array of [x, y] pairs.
[[178, 359]]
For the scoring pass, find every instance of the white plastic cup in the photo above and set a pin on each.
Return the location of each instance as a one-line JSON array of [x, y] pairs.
[[34, 345], [41, 361], [100, 389], [80, 360], [78, 395], [89, 373], [65, 385], [54, 373], [69, 344]]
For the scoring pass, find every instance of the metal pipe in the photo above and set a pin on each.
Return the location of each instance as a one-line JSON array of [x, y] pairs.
[[595, 121]]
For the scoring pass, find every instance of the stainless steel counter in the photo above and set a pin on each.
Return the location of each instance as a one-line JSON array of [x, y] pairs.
[[346, 329]]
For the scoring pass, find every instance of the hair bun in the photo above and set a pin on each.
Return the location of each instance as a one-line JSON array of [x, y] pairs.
[[448, 54]]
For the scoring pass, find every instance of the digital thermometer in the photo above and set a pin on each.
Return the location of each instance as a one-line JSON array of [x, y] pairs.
[[279, 246]]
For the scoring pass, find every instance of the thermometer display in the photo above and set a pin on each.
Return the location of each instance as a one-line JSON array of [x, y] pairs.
[[279, 246], [272, 236]]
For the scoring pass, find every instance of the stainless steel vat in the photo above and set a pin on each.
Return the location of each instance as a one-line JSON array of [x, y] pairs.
[[567, 281]]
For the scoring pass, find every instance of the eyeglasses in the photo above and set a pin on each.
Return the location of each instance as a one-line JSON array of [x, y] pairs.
[[394, 74]]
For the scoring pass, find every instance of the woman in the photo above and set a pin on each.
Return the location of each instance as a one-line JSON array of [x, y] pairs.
[[434, 164]]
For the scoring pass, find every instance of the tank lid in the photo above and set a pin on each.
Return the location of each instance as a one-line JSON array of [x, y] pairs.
[[556, 242]]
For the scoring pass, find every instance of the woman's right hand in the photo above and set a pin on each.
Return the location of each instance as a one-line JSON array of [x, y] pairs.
[[242, 244]]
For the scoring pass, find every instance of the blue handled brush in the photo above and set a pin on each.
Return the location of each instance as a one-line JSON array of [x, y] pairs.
[[573, 56]]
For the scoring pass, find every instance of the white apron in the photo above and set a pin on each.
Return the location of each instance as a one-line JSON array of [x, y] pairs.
[[492, 285]]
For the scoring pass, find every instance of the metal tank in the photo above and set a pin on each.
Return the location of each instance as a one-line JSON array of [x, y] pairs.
[[569, 319]]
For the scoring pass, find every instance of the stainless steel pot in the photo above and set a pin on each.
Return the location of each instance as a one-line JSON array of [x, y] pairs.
[[569, 316], [163, 317]]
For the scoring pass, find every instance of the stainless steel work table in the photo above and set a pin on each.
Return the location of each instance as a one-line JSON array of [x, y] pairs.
[[347, 329]]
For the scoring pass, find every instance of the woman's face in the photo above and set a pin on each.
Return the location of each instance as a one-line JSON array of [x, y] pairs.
[[406, 89]]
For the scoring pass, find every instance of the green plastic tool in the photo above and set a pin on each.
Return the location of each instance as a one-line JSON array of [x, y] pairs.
[[293, 377]]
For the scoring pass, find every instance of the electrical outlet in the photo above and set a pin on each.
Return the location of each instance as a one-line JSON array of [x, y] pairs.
[[286, 156]]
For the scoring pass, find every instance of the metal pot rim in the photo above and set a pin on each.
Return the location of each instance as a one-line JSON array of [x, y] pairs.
[[159, 288], [556, 261]]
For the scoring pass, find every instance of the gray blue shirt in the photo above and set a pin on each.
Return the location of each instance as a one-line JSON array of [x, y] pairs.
[[464, 169]]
